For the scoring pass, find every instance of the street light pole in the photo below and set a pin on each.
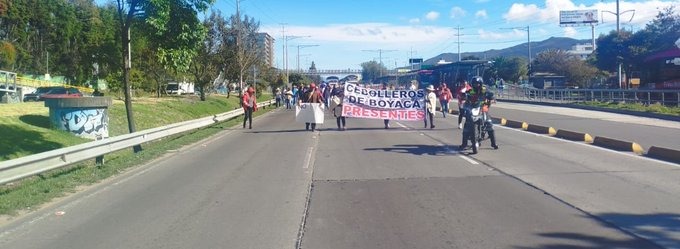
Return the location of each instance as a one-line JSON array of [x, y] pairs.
[[285, 51], [528, 47], [298, 53], [618, 30], [380, 51]]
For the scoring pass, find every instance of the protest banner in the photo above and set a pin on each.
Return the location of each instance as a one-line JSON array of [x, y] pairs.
[[361, 102], [309, 113]]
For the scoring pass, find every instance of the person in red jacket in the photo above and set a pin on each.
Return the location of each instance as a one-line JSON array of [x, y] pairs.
[[445, 97], [249, 103]]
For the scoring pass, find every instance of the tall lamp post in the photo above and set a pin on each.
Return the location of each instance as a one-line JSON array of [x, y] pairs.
[[298, 53], [618, 29], [528, 48], [285, 51]]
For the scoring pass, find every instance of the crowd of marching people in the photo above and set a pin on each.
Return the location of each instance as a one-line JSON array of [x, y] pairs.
[[331, 97]]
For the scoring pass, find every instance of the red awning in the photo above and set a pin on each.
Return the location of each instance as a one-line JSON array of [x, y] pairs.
[[671, 53]]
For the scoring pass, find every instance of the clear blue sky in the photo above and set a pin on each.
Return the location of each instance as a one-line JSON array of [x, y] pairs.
[[344, 30]]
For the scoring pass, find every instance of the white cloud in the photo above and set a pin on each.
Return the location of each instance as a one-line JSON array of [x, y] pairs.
[[380, 33], [570, 32], [645, 11], [481, 14], [414, 20], [432, 15], [457, 12], [489, 35]]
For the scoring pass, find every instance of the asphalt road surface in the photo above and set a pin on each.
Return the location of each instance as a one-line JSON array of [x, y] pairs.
[[279, 186]]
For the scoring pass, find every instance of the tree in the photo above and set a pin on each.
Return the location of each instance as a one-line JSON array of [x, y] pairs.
[[509, 69], [612, 49], [243, 46], [8, 55], [560, 62], [297, 79], [171, 19], [631, 49], [206, 67], [371, 70], [470, 57]]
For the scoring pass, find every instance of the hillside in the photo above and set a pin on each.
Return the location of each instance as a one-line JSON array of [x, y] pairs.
[[563, 43]]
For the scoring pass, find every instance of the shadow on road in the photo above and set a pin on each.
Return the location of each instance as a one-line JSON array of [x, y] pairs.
[[417, 149], [662, 228]]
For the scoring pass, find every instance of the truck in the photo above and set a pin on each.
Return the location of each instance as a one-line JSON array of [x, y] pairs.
[[179, 88]]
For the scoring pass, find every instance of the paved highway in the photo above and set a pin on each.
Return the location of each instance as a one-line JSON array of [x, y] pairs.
[[278, 186]]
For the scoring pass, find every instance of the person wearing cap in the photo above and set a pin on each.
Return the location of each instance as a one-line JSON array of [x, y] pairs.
[[430, 105], [249, 103], [312, 95]]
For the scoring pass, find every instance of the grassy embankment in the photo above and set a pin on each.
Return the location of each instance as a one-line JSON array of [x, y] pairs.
[[653, 108], [24, 130]]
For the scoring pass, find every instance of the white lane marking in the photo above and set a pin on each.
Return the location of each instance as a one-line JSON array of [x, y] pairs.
[[469, 160], [308, 159], [403, 126]]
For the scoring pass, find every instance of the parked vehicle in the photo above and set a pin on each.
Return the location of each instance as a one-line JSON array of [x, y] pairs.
[[35, 96], [62, 92], [180, 88]]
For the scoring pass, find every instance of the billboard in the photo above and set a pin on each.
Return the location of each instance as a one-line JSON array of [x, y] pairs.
[[578, 17]]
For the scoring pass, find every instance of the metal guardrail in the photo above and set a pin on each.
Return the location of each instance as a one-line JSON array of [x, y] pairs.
[[23, 167], [565, 96]]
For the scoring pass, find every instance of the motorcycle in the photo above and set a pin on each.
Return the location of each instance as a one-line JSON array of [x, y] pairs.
[[476, 126]]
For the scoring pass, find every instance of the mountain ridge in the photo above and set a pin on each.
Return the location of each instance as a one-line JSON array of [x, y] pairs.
[[521, 50]]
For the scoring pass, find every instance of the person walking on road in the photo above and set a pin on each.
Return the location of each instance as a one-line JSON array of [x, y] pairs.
[[444, 98], [249, 103], [463, 87], [430, 105], [312, 95], [337, 94], [289, 98]]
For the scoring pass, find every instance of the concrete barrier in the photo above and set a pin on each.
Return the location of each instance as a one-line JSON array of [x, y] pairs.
[[542, 129], [666, 154], [86, 117], [619, 145], [513, 124], [574, 136]]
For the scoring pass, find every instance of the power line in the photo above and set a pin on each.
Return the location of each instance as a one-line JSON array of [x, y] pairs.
[[380, 51]]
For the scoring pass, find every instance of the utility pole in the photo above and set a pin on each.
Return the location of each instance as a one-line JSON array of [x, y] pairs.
[[283, 50], [380, 51], [286, 39], [239, 43], [458, 35]]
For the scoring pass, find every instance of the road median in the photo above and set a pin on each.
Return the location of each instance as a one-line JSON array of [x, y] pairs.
[[619, 145], [574, 136], [665, 154]]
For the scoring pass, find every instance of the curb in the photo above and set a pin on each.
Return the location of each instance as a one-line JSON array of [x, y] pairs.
[[618, 145], [574, 136], [541, 129], [664, 154], [513, 124]]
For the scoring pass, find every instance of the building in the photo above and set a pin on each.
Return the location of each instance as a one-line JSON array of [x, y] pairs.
[[581, 50], [265, 45]]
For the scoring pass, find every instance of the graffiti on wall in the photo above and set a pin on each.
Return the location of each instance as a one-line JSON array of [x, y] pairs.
[[87, 123]]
